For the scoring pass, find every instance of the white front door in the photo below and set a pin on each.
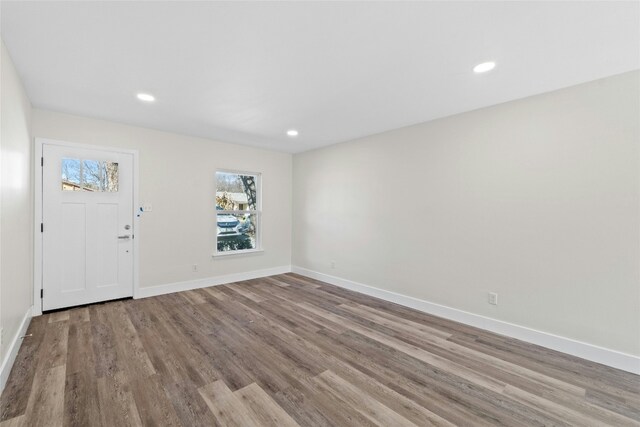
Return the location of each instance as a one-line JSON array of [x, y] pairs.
[[87, 225]]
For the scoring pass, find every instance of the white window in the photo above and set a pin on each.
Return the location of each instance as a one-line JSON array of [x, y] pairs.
[[89, 175], [238, 202]]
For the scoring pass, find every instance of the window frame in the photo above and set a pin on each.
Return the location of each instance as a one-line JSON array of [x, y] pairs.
[[257, 212], [83, 183]]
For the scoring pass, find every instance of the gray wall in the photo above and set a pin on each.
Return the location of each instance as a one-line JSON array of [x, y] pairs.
[[177, 176], [536, 199], [16, 206]]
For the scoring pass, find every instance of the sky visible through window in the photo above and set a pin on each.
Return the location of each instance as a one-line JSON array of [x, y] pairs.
[[89, 175]]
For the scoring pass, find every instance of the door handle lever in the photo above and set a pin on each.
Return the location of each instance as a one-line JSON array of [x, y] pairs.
[[126, 236]]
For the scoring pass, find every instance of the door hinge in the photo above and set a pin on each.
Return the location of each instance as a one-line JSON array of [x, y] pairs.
[[42, 227], [41, 161], [41, 293]]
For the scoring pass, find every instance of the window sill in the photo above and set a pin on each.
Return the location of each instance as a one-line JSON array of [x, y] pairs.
[[231, 253]]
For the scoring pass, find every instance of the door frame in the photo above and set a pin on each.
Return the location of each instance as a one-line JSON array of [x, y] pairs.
[[39, 143]]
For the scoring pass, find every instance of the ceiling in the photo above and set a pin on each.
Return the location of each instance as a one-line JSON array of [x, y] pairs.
[[245, 72]]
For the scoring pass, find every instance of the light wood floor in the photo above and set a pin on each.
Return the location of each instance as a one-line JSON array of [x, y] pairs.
[[286, 351]]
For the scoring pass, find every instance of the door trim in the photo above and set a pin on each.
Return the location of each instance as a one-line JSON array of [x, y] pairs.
[[37, 217]]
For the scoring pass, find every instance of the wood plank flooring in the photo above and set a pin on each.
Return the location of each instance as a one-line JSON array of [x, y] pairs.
[[287, 351]]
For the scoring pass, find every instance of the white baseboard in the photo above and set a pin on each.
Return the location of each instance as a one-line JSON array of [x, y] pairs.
[[210, 281], [594, 353], [7, 363]]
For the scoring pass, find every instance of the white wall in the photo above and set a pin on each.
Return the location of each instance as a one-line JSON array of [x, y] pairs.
[[177, 177], [16, 204], [537, 200]]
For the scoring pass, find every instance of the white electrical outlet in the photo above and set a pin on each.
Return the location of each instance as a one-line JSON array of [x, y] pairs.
[[194, 268], [333, 264], [1, 336], [493, 298]]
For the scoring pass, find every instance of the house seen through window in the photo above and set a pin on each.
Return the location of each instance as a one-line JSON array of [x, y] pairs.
[[237, 212]]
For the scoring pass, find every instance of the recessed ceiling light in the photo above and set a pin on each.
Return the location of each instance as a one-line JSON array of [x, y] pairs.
[[292, 132], [484, 67], [146, 97]]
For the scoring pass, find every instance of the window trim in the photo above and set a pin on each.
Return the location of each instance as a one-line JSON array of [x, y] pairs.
[[217, 254], [257, 212], [82, 185]]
